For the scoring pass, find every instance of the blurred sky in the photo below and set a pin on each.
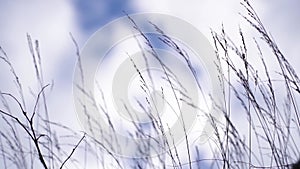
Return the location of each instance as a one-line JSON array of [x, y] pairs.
[[51, 21]]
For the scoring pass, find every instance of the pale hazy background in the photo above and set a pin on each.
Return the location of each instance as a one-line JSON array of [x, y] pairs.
[[51, 21]]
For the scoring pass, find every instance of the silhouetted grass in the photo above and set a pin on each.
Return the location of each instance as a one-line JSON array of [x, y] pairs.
[[267, 108]]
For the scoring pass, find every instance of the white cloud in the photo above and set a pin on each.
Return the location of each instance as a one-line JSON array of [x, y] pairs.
[[50, 23], [203, 14]]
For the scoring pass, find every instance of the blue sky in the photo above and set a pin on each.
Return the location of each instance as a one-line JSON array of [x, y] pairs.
[[96, 13], [51, 21]]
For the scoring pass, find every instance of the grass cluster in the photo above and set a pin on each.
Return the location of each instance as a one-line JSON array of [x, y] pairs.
[[265, 134]]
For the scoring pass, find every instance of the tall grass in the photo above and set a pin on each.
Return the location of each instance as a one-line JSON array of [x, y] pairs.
[[265, 134]]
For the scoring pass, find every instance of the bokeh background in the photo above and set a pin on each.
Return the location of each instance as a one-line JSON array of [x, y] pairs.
[[50, 22]]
